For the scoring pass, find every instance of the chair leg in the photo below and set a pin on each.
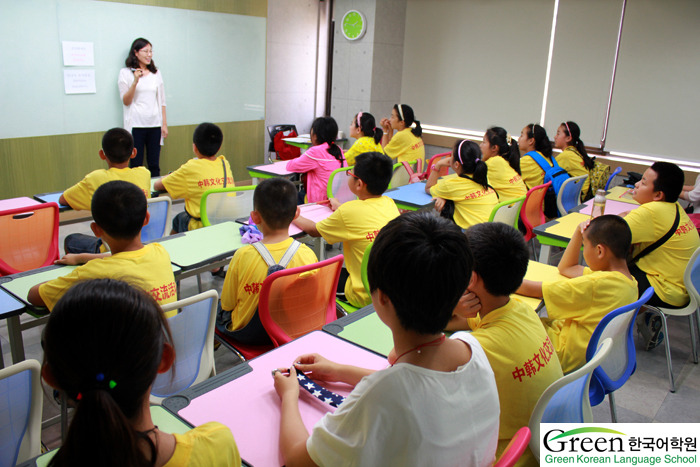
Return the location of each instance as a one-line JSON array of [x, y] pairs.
[[691, 322], [667, 344], [199, 283], [613, 407]]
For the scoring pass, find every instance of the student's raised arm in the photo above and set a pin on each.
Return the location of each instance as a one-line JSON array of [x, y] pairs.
[[568, 264]]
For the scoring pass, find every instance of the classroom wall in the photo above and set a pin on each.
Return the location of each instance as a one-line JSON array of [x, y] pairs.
[[55, 160]]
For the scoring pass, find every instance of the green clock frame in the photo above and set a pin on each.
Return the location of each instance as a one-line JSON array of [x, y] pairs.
[[353, 25]]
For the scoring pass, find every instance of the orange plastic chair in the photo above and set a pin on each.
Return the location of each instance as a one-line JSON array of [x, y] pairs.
[[293, 302], [532, 212], [28, 238], [517, 446]]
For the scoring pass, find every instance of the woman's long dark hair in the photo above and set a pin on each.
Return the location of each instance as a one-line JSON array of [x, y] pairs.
[[103, 345], [573, 130], [133, 62], [326, 131], [497, 136]]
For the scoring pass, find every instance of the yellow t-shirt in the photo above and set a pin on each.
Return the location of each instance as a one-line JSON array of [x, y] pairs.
[[79, 196], [533, 174], [192, 179], [362, 145], [523, 361], [571, 161], [148, 268], [211, 444], [405, 146], [576, 306], [246, 273], [506, 181], [473, 204], [665, 265], [356, 223]]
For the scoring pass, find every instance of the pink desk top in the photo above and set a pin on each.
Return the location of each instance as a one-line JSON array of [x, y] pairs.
[[250, 407], [611, 207], [314, 212], [276, 168], [14, 203]]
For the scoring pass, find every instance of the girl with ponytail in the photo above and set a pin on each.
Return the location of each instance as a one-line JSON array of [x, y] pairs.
[[573, 158], [407, 144], [502, 156], [104, 344], [534, 138], [320, 160], [364, 128], [470, 191]]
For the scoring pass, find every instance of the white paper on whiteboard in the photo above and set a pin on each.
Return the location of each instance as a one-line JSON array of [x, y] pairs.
[[79, 81], [78, 53]]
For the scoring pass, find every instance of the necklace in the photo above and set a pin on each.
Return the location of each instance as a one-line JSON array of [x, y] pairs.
[[434, 342]]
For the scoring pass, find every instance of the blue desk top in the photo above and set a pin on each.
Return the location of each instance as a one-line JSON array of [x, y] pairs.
[[9, 305], [52, 198], [412, 196]]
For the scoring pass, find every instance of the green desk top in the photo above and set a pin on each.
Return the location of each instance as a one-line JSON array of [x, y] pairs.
[[20, 283], [365, 329], [199, 247]]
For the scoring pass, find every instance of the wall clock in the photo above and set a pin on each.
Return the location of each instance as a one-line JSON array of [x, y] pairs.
[[354, 25]]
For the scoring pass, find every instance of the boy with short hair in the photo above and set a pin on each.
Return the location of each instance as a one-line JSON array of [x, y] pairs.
[[516, 344], [119, 212], [438, 403], [662, 226], [576, 306], [117, 150], [356, 223], [198, 175], [275, 205]]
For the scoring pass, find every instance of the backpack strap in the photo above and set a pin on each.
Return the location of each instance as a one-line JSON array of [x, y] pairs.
[[223, 163], [662, 240], [542, 162], [286, 257]]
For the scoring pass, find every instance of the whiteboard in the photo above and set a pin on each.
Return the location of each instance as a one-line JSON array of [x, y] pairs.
[[213, 64]]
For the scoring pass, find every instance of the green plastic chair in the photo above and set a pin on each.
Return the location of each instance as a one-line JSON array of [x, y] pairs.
[[508, 211], [226, 204], [346, 307]]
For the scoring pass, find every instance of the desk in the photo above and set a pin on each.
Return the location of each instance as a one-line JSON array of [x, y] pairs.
[[203, 249], [611, 207], [276, 169], [364, 328], [411, 197], [539, 272], [244, 399], [621, 194], [14, 203], [9, 307], [304, 141], [557, 232], [314, 212]]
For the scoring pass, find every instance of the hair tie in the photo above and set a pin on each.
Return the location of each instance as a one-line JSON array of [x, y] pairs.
[[413, 125], [476, 160], [508, 139], [400, 112], [359, 116]]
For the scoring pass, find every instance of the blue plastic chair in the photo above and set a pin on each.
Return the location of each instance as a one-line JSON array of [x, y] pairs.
[[616, 370], [21, 402], [612, 175], [566, 400], [570, 194], [159, 209], [193, 337]]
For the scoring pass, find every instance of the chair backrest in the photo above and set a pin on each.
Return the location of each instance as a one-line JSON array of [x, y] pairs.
[[433, 160], [507, 211], [226, 204], [363, 267], [21, 400], [612, 176], [570, 194], [159, 209], [338, 185], [532, 213], [28, 238], [400, 177], [193, 337], [691, 277], [517, 446], [617, 368], [566, 400], [296, 301]]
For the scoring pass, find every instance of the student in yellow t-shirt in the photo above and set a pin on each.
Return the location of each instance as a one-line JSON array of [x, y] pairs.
[[197, 175], [356, 223], [472, 197], [104, 344], [657, 193], [521, 354], [407, 144], [502, 156], [533, 138], [573, 158], [119, 212], [117, 150], [576, 306], [275, 205], [369, 137]]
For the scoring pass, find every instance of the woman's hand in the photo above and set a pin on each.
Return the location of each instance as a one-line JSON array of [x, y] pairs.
[[318, 368], [138, 73], [286, 385], [164, 131]]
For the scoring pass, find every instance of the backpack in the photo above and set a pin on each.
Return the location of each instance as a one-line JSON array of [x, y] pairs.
[[284, 151], [598, 176], [272, 266], [554, 174]]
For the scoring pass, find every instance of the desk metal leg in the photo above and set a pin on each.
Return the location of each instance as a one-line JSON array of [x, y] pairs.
[[15, 333], [544, 253]]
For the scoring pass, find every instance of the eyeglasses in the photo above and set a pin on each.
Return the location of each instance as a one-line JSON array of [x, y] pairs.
[[352, 175], [147, 52]]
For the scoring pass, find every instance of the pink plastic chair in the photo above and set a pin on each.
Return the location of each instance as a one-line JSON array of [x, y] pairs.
[[517, 446], [433, 160]]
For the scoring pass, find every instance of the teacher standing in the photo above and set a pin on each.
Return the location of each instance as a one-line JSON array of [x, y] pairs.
[[143, 96]]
